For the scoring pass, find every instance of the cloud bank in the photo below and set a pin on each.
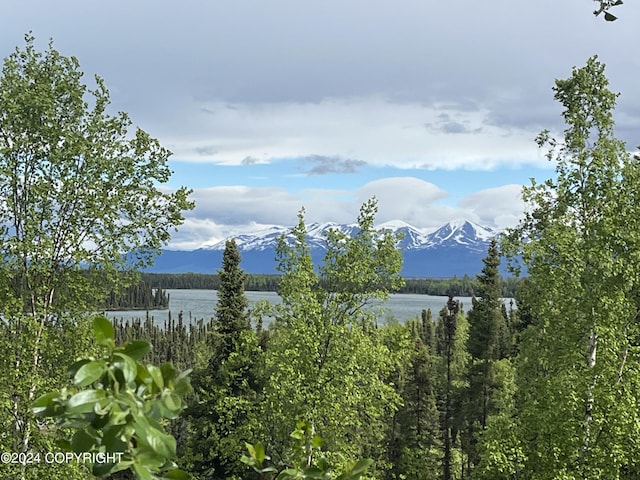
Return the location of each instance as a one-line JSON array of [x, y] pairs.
[[226, 211]]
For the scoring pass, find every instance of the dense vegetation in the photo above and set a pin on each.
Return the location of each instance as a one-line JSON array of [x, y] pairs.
[[139, 296], [465, 286], [548, 391]]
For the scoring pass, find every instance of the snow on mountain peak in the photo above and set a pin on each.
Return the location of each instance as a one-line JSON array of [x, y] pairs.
[[462, 232], [395, 225], [456, 232]]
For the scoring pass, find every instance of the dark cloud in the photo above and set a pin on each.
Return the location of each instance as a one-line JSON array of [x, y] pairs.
[[161, 62], [249, 160], [457, 127], [447, 125], [206, 150], [321, 165], [463, 105]]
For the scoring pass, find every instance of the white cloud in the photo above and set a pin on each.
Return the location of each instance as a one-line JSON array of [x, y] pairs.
[[239, 205], [407, 198], [500, 206], [226, 211], [372, 129]]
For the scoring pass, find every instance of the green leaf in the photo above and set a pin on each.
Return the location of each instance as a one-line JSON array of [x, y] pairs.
[[83, 402], [317, 441], [156, 375], [73, 369], [177, 474], [314, 472], [135, 349], [102, 469], [182, 384], [251, 449], [168, 372], [129, 366], [89, 373], [609, 17], [172, 401], [103, 331], [83, 441], [45, 405], [361, 467], [260, 454], [159, 442], [142, 472], [112, 438], [288, 473]]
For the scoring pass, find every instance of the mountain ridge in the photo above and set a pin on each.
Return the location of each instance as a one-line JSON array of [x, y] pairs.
[[455, 248]]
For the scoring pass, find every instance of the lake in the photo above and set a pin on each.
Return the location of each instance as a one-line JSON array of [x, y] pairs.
[[200, 304]]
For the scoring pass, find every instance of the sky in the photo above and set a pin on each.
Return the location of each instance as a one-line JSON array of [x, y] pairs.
[[273, 105]]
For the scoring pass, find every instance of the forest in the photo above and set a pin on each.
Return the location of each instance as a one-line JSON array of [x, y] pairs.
[[464, 286], [549, 390]]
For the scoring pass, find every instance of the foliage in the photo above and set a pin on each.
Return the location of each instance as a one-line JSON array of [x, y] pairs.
[[452, 333], [81, 202], [176, 341], [500, 450], [488, 333], [231, 317], [464, 286], [325, 362], [209, 281], [226, 389], [64, 340], [577, 368], [138, 296], [117, 406], [414, 439], [80, 192], [606, 6], [488, 346], [304, 462]]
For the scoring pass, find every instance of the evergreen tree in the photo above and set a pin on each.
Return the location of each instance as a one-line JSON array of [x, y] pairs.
[[451, 338], [231, 316], [227, 389], [488, 343], [414, 443]]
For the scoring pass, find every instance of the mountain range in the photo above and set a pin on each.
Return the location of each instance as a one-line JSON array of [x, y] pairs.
[[456, 248]]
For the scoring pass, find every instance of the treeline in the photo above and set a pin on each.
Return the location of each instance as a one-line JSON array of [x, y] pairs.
[[465, 286], [139, 296], [208, 281]]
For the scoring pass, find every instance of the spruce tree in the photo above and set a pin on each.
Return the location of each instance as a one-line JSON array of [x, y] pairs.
[[451, 338], [488, 343], [226, 390], [415, 443], [231, 316]]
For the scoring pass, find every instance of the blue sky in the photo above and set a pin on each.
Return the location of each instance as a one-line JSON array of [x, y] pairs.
[[268, 106]]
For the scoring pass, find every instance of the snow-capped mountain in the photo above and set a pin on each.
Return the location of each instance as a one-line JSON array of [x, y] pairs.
[[458, 232], [461, 232], [456, 248]]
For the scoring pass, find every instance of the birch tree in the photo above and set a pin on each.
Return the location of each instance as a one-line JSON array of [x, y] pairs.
[[80, 202], [580, 241], [325, 362]]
